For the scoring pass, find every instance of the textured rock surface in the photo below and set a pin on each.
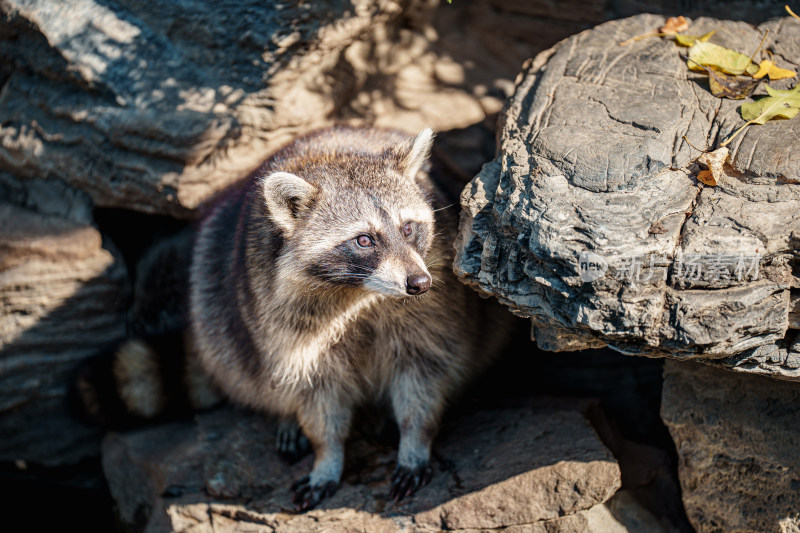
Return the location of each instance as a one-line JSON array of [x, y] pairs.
[[62, 297], [537, 469], [737, 439], [591, 222], [154, 106]]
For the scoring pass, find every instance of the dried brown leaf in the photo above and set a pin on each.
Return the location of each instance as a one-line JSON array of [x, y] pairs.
[[674, 25], [734, 87], [715, 161], [707, 178]]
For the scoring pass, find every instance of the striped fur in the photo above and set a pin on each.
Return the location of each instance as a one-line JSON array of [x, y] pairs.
[[291, 315]]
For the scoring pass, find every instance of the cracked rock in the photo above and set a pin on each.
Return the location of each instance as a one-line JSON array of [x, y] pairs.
[[737, 438], [62, 298], [590, 220], [531, 468], [156, 105]]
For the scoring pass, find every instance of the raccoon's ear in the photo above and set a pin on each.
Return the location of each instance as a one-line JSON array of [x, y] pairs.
[[415, 153], [287, 196]]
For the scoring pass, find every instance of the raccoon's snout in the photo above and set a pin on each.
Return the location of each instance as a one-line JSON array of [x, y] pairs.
[[417, 283]]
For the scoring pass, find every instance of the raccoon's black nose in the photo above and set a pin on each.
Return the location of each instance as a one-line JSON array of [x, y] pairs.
[[417, 284]]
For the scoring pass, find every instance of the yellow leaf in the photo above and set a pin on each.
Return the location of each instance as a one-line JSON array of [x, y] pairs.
[[768, 68], [707, 36], [718, 57], [779, 104], [783, 104], [674, 25], [689, 40]]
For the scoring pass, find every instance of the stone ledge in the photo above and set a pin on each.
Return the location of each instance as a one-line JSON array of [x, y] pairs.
[[515, 467]]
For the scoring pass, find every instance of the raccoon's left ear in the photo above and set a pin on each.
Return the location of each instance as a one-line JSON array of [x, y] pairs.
[[287, 196], [416, 152]]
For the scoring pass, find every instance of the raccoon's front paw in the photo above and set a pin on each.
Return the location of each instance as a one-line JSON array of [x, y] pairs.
[[308, 495], [290, 442], [406, 480]]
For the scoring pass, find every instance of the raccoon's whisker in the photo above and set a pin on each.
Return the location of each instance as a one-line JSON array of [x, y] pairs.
[[349, 275], [432, 264], [356, 266], [443, 208], [344, 275]]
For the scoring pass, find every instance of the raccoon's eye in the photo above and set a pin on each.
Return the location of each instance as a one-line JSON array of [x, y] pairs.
[[365, 241], [407, 229]]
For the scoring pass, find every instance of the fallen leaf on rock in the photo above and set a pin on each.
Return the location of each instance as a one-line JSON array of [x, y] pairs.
[[734, 87], [768, 68], [671, 26], [707, 178], [674, 25], [726, 86], [689, 40], [719, 58], [779, 104], [715, 161], [784, 179]]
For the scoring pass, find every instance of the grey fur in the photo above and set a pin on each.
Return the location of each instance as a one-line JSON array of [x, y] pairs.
[[290, 315]]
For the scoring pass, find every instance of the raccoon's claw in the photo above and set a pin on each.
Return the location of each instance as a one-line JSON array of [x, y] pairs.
[[307, 495], [290, 442], [406, 481]]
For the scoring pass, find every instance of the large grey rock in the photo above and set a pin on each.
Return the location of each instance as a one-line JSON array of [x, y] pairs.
[[154, 106], [62, 298], [591, 222], [532, 468], [737, 439]]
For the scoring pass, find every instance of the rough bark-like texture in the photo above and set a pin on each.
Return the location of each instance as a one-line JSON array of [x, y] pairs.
[[157, 106], [62, 298], [154, 106], [737, 439], [591, 222], [540, 469]]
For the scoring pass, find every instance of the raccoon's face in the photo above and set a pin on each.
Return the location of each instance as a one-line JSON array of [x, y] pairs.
[[362, 224], [362, 240]]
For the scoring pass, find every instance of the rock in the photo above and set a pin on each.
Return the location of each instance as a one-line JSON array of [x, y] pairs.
[[533, 468], [591, 222], [737, 438], [62, 298], [629, 513], [156, 106]]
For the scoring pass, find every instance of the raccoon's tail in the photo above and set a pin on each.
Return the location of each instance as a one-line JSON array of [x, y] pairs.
[[140, 381], [153, 375]]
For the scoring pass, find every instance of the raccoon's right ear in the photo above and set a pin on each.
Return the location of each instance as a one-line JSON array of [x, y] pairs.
[[418, 153], [287, 196], [410, 156]]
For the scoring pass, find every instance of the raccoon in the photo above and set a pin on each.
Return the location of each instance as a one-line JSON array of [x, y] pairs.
[[326, 283]]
